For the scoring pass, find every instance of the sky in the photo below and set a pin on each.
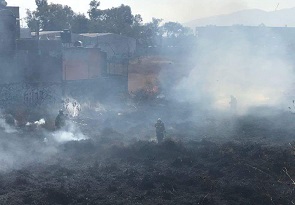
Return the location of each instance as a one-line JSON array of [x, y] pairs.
[[169, 10]]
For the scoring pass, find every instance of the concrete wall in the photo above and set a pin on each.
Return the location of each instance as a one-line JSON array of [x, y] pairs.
[[30, 95], [105, 88], [36, 95], [83, 63]]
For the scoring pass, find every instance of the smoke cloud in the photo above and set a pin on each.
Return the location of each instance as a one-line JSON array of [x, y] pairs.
[[257, 75], [6, 127], [24, 147], [70, 133]]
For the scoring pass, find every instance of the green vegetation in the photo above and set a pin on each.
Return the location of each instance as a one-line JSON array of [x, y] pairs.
[[118, 20]]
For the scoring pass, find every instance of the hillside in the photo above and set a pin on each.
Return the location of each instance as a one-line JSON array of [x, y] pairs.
[[250, 17]]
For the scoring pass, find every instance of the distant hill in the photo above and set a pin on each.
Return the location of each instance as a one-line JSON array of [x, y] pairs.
[[249, 17]]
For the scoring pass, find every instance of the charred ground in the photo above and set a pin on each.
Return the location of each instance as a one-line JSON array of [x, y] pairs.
[[253, 165], [207, 157]]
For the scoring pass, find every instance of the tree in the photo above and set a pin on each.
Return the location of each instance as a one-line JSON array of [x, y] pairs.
[[152, 33], [177, 35], [31, 20], [172, 29], [117, 20], [153, 28], [80, 24], [137, 27], [51, 17], [93, 12]]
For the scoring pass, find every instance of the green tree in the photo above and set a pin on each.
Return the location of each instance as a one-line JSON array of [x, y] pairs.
[[177, 35], [93, 12], [80, 24], [31, 20], [117, 20], [152, 33], [137, 27], [174, 29], [50, 16]]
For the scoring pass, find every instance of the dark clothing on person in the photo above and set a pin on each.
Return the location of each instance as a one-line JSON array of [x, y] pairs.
[[60, 121], [160, 131]]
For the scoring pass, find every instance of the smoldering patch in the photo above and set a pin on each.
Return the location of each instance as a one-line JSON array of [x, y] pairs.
[[70, 132]]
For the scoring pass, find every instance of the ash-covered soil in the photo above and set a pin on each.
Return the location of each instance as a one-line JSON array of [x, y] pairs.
[[215, 160]]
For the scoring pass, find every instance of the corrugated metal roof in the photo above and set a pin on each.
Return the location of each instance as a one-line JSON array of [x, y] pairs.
[[46, 32], [94, 35], [91, 35]]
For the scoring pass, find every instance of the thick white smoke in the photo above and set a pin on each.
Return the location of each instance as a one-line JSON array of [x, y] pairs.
[[37, 123], [257, 75], [6, 127], [21, 147], [70, 133]]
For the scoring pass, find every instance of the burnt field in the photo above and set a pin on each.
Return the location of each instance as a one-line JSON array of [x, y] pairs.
[[240, 160], [109, 154]]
